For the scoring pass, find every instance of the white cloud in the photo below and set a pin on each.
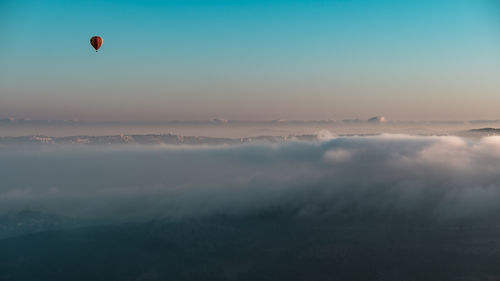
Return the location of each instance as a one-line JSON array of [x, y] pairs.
[[439, 177], [325, 135], [338, 156]]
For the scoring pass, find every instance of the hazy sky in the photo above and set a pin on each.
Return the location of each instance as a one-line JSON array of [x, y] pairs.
[[250, 59]]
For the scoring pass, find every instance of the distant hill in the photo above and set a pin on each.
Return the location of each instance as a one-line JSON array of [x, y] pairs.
[[486, 130], [377, 119], [151, 139]]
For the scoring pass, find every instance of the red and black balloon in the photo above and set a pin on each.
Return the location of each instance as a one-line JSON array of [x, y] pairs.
[[96, 42]]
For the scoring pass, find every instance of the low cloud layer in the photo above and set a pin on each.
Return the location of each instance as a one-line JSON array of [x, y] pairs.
[[443, 178]]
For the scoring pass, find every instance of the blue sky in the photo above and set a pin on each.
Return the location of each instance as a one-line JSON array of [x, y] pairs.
[[250, 59]]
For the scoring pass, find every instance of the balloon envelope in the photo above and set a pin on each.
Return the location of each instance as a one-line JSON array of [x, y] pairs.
[[96, 42]]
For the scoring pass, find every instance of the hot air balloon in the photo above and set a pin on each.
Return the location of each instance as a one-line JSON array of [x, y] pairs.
[[96, 42]]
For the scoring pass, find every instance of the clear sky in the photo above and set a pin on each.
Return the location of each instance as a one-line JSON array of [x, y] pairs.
[[250, 59]]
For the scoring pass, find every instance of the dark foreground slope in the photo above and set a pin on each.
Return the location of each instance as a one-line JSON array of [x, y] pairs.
[[266, 246]]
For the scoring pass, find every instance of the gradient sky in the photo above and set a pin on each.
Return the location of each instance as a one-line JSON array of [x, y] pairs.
[[250, 59]]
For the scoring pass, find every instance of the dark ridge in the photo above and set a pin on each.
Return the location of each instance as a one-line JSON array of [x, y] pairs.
[[271, 246], [482, 130]]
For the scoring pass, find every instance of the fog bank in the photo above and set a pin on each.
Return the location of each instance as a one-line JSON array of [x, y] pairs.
[[441, 178]]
